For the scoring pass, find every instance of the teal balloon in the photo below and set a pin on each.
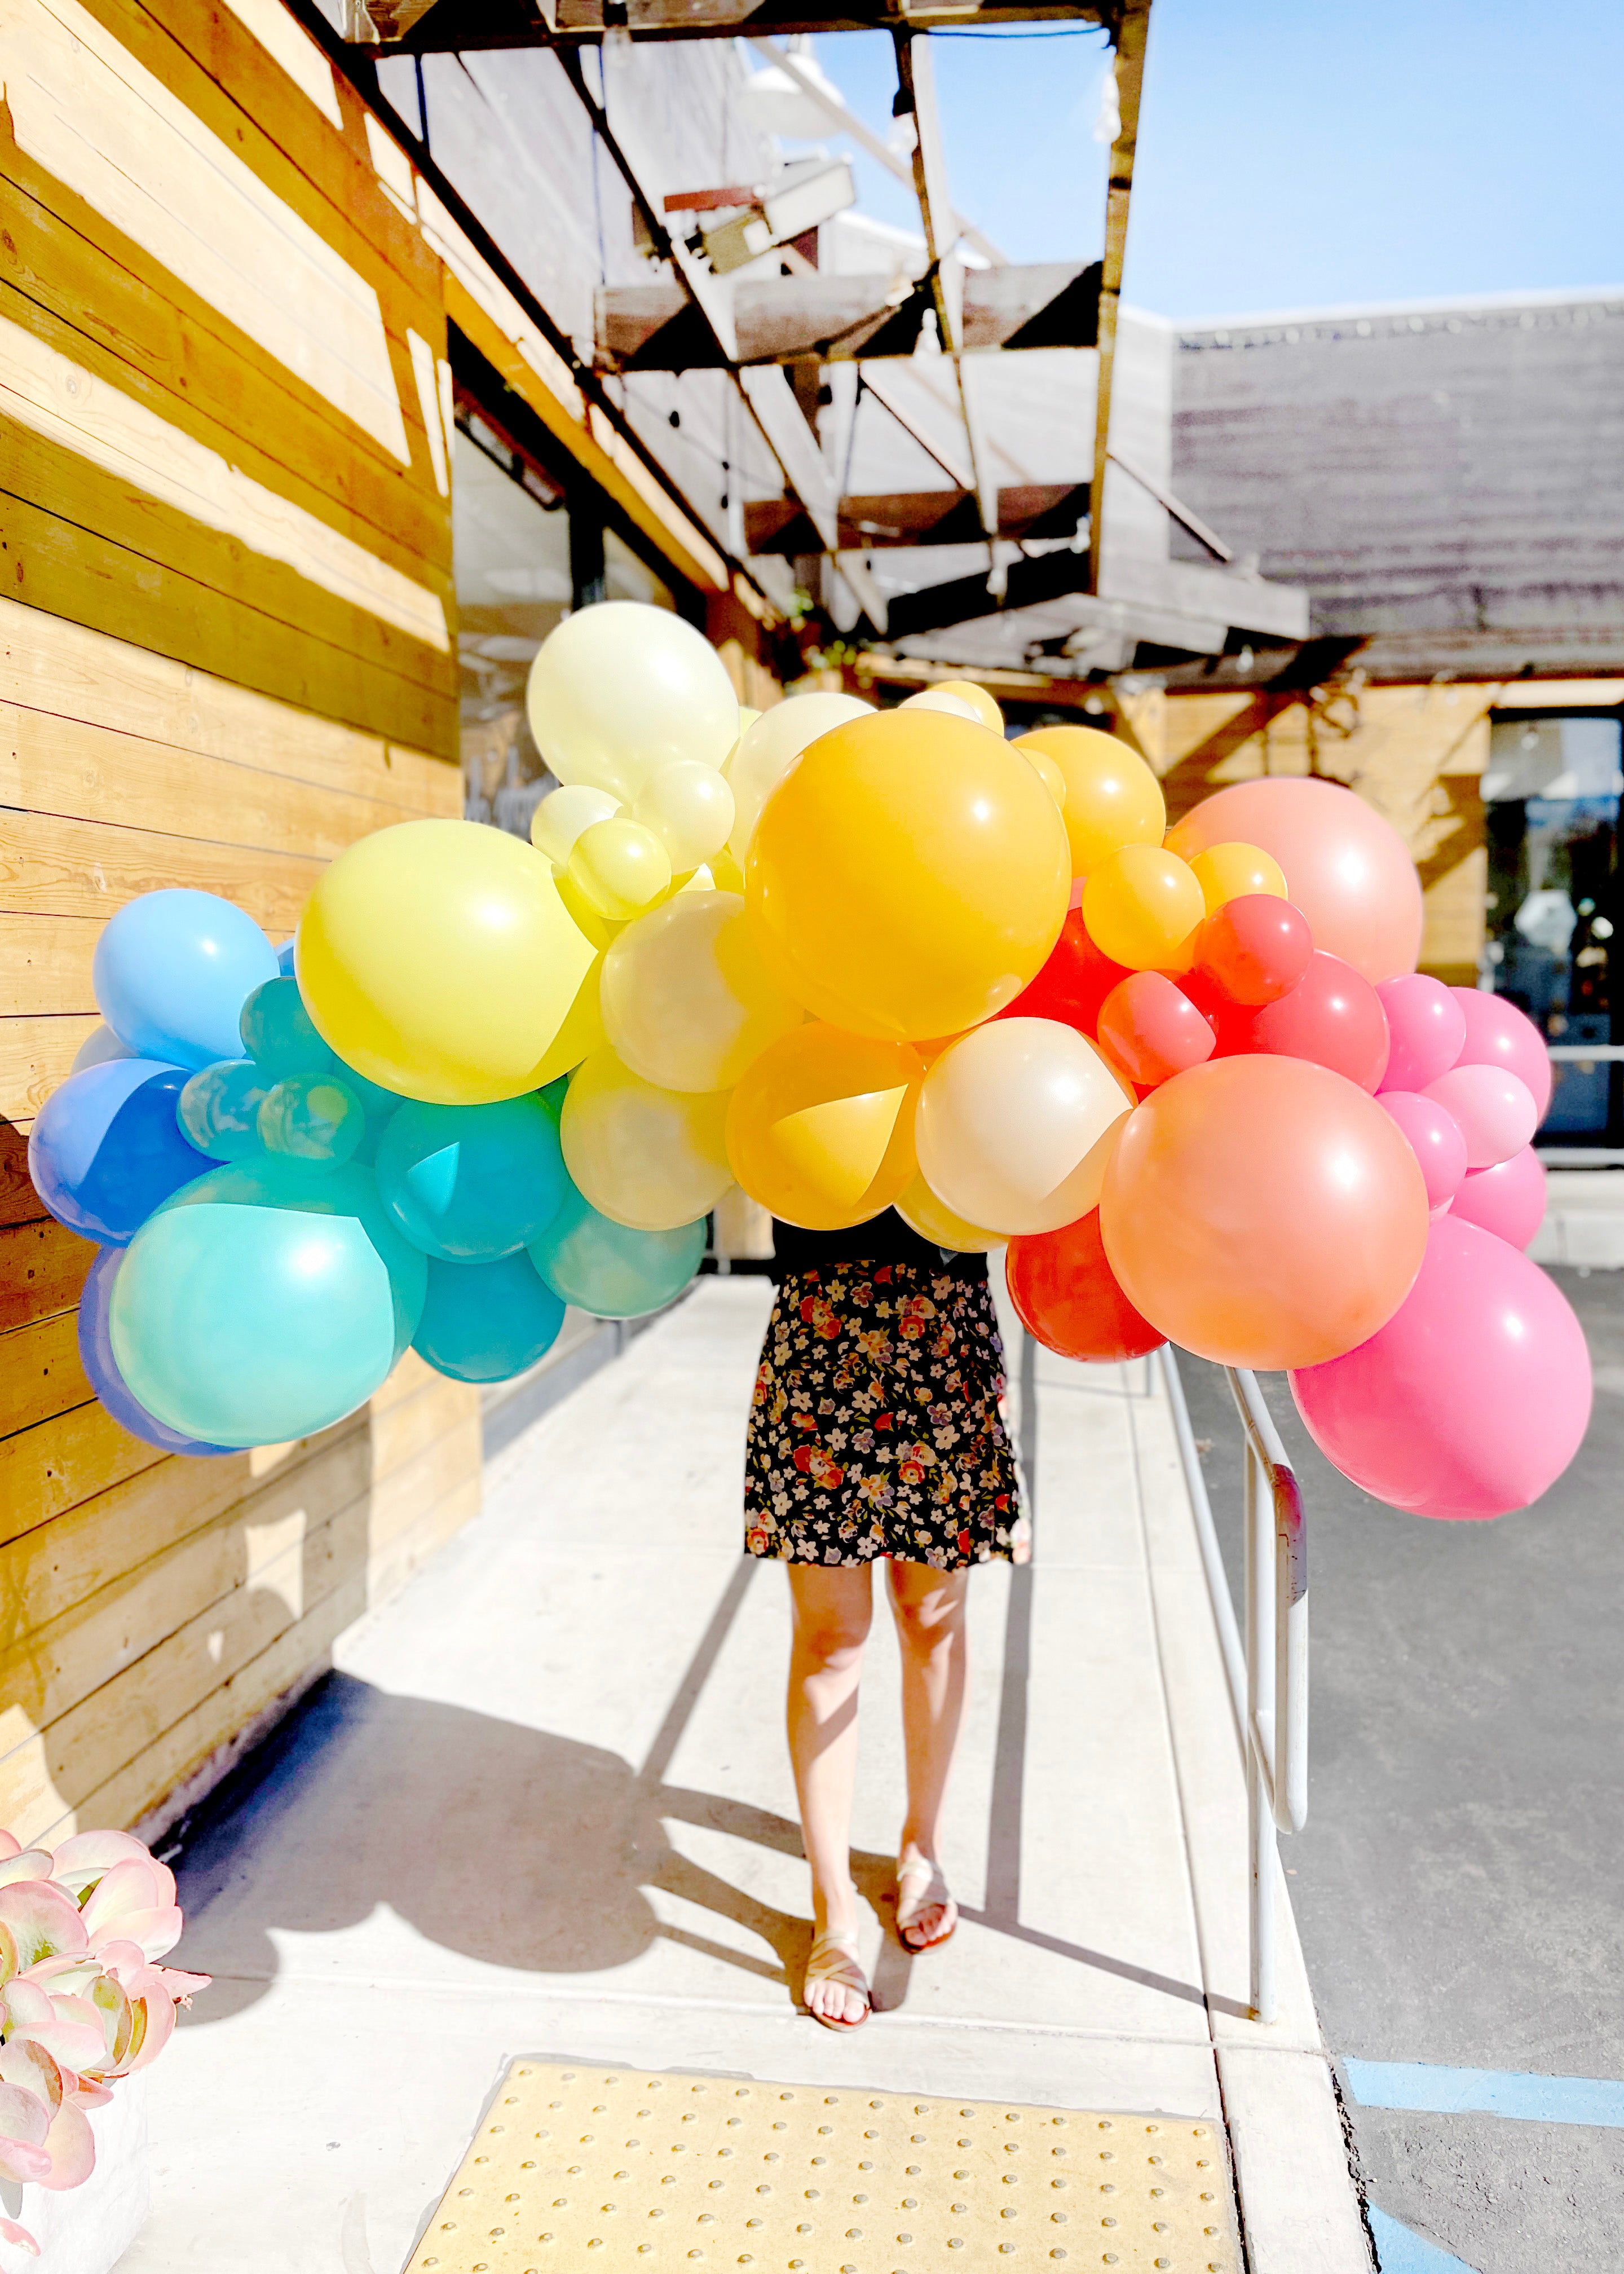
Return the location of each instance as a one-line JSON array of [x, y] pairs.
[[279, 1036], [264, 1304], [219, 1110], [487, 1322], [609, 1270], [311, 1117], [469, 1183]]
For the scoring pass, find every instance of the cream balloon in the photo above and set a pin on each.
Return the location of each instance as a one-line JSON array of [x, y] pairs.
[[686, 999], [647, 1157], [563, 814], [933, 698], [690, 810], [1016, 1125], [968, 690], [768, 749], [620, 690]]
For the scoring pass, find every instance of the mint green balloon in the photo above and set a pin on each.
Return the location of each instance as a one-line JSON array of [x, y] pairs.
[[609, 1270]]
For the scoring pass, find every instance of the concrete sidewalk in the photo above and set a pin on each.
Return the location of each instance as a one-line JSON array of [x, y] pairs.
[[542, 1807]]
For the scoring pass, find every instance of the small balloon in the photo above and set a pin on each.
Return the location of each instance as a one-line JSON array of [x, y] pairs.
[[1072, 983], [96, 1354], [1066, 1294], [1112, 798], [311, 1117], [1427, 1026], [172, 971], [1497, 1034], [967, 690], [487, 1322], [219, 1110], [1233, 872], [100, 1044], [1435, 1139], [1332, 1015], [471, 1183], [618, 868], [690, 810], [1253, 949], [1150, 1030], [562, 815], [688, 1002], [105, 1149], [620, 689], [609, 1271], [279, 1034], [1494, 1108], [1142, 907], [820, 1127], [651, 1158], [769, 746], [1507, 1199]]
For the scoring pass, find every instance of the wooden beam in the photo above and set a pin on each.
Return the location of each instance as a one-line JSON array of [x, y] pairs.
[[918, 517], [1133, 26], [492, 23]]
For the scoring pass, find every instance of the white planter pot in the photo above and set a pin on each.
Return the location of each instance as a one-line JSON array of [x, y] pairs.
[[87, 2230]]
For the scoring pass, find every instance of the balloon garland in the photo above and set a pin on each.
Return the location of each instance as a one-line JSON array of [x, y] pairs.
[[849, 959]]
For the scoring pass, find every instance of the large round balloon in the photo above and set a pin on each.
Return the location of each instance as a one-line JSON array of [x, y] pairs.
[[1112, 798], [1348, 869], [106, 1149], [769, 746], [1507, 1199], [909, 875], [651, 1158], [609, 1271], [1497, 1034], [469, 1183], [95, 1355], [172, 971], [263, 1302], [620, 691], [487, 1322], [438, 960], [1473, 1397], [1264, 1212], [687, 1000], [1065, 1293], [820, 1130]]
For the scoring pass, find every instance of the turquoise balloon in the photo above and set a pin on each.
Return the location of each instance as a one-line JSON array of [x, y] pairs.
[[311, 1117], [609, 1270], [469, 1183], [219, 1110], [279, 1034], [487, 1322], [264, 1304]]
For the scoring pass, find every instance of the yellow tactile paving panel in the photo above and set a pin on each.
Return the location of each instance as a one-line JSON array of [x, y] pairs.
[[581, 2168]]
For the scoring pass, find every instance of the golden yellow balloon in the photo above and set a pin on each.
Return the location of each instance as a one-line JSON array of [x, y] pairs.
[[647, 1158], [619, 868], [1112, 798], [1048, 773], [928, 1214], [438, 959], [1141, 908], [909, 875], [1226, 873], [821, 1128]]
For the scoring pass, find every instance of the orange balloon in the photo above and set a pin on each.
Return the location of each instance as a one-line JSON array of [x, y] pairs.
[[1348, 869], [819, 1128], [1112, 798], [1143, 908], [1260, 1212]]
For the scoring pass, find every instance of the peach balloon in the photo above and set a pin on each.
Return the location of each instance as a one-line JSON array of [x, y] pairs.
[[1264, 1212], [1348, 869]]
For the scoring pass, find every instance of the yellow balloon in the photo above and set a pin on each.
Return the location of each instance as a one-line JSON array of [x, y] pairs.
[[562, 815], [1112, 798], [690, 810], [978, 700], [1141, 908], [592, 926], [909, 877], [687, 1000], [821, 1126], [647, 1158], [620, 690], [1048, 773], [1225, 872], [725, 874], [438, 960], [768, 749], [582, 1032], [924, 1212], [619, 868]]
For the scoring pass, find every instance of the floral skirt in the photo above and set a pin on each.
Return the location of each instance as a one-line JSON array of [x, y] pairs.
[[876, 1427]]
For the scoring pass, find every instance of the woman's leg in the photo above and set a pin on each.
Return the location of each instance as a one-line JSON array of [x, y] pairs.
[[928, 1607], [831, 1606]]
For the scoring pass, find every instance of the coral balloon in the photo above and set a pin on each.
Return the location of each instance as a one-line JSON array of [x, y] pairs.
[[1331, 1015], [821, 1128], [1112, 798], [1264, 1212], [909, 875], [1074, 982], [1016, 1122], [1233, 872], [769, 746], [687, 1000], [924, 1213], [1150, 1030], [1497, 1034], [1142, 907], [1348, 869], [1065, 1293], [1473, 1397], [1435, 1137], [1253, 949], [1427, 1027], [437, 958], [1496, 1110], [651, 1158], [690, 810], [1507, 1199], [620, 690]]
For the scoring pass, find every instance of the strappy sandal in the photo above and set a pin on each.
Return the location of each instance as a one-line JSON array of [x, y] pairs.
[[921, 1870], [834, 1959]]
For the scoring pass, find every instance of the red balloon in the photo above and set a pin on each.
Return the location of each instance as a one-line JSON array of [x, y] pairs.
[[1332, 1016], [1066, 1294], [1072, 984], [1151, 1030], [1254, 949]]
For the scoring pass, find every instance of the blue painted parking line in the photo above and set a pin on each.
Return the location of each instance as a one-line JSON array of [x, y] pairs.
[[1427, 2089], [1399, 2251]]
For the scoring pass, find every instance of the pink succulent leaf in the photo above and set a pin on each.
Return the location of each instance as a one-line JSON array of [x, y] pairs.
[[157, 1932], [137, 1884], [8, 1845], [67, 1976], [155, 2028], [182, 1987], [24, 2116], [44, 1922], [27, 2004], [11, 1961], [90, 2093], [70, 2028], [88, 1856], [32, 1863], [10, 2231], [111, 2001], [71, 2147], [125, 1961], [24, 2063], [21, 2161]]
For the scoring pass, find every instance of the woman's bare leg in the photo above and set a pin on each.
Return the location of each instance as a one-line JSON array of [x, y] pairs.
[[833, 1605], [928, 1607]]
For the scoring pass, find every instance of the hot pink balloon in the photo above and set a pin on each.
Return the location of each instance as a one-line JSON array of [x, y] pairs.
[[1435, 1135], [1427, 1027], [1495, 1110], [1507, 1199], [1472, 1400], [1497, 1034]]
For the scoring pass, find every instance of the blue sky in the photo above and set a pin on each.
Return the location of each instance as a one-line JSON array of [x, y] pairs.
[[1294, 152]]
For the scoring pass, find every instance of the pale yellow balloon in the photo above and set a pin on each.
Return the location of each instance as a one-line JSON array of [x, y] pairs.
[[620, 690], [581, 1034], [924, 1212], [562, 815], [1017, 1123], [690, 810], [978, 700], [747, 717], [770, 748], [938, 698], [586, 919], [619, 868], [647, 1158], [1226, 873], [687, 1000], [726, 873]]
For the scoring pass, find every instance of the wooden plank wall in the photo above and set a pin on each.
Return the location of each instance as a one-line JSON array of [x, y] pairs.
[[227, 650]]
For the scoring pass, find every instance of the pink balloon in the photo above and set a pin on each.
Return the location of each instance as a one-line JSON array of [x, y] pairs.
[[1497, 1034], [1507, 1199], [1427, 1027], [1495, 1110], [1435, 1135], [1474, 1397]]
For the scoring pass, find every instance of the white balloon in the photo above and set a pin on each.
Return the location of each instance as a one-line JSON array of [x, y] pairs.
[[690, 810], [620, 689], [563, 814], [767, 751], [686, 1001]]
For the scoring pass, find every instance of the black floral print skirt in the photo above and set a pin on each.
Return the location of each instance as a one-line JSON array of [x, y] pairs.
[[876, 1427]]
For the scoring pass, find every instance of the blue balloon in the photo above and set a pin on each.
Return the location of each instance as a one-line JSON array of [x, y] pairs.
[[285, 956], [172, 972], [219, 1110], [487, 1322], [469, 1183], [105, 1149], [96, 1354], [609, 1270]]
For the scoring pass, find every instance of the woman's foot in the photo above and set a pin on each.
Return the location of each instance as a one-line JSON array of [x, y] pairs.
[[837, 1989], [926, 1913]]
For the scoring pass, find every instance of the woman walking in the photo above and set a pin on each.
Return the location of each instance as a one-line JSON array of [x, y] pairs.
[[875, 1435]]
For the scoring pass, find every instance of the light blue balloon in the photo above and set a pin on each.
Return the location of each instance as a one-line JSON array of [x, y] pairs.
[[219, 1110], [105, 1151], [609, 1270], [311, 1117], [469, 1183], [172, 971], [487, 1322]]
